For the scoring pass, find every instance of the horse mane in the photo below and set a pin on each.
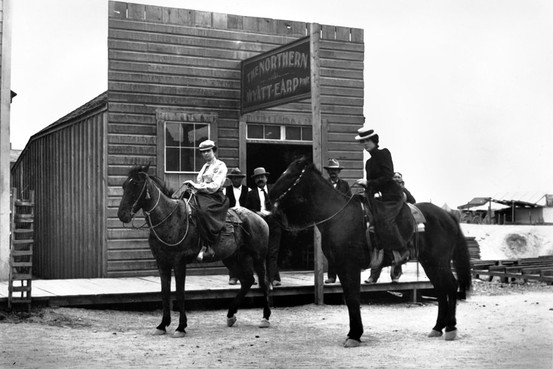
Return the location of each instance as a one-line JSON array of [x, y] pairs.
[[159, 182], [309, 165]]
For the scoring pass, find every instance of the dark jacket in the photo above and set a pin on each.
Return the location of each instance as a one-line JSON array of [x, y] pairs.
[[230, 194], [341, 186], [253, 202], [408, 197], [380, 171]]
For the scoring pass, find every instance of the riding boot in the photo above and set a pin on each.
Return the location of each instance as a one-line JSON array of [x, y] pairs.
[[396, 272], [200, 256]]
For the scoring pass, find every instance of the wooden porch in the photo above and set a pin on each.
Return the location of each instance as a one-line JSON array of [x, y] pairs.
[[97, 291]]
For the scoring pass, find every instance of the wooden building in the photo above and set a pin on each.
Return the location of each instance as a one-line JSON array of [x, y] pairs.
[[174, 80]]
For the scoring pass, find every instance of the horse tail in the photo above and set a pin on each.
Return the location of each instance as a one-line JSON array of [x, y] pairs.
[[461, 260]]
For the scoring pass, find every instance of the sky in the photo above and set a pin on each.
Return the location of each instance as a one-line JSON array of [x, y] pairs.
[[460, 91]]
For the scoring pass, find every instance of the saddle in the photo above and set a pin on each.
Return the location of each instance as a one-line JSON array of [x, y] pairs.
[[376, 253], [225, 244]]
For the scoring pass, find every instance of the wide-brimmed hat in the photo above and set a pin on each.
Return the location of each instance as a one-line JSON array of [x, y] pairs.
[[333, 164], [259, 172], [235, 172], [365, 133], [207, 145]]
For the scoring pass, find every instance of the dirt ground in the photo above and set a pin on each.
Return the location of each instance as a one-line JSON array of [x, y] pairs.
[[501, 325]]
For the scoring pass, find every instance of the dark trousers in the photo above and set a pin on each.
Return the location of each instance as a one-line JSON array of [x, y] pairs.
[[331, 273], [275, 233]]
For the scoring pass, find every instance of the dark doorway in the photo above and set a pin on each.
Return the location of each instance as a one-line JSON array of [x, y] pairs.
[[296, 249], [275, 158]]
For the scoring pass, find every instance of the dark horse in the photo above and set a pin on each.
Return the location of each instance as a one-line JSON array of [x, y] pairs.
[[305, 197], [174, 243]]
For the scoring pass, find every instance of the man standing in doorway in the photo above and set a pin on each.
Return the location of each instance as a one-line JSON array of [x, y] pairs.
[[258, 201], [333, 169], [236, 194]]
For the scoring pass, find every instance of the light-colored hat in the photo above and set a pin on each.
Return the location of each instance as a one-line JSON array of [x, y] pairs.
[[366, 133], [259, 172], [207, 145], [333, 164], [235, 172]]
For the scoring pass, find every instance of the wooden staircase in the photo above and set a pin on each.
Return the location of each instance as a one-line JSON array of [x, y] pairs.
[[21, 251]]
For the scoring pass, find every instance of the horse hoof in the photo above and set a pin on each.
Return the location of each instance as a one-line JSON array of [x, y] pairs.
[[451, 335], [158, 332], [351, 343], [231, 321], [434, 333], [264, 323], [179, 334]]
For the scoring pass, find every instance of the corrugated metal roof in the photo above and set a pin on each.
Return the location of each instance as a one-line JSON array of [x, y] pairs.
[[506, 199], [522, 198]]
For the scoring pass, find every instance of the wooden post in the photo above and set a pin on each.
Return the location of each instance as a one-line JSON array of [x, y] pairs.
[[5, 99], [318, 144]]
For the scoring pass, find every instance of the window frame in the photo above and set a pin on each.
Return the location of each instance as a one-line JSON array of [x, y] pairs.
[[180, 116]]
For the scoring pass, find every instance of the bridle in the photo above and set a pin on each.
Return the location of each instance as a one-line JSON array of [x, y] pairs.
[[299, 229], [291, 186], [147, 213]]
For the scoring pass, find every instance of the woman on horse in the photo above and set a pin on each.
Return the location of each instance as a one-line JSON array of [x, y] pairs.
[[213, 204], [379, 179]]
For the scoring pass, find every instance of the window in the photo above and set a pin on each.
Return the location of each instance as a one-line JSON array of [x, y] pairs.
[[279, 133], [181, 146]]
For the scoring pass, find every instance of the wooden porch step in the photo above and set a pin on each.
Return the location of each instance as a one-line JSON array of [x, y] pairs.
[[23, 242], [24, 203], [28, 252], [20, 288], [21, 276], [21, 264]]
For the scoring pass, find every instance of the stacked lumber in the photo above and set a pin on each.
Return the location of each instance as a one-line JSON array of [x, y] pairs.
[[21, 251], [537, 269]]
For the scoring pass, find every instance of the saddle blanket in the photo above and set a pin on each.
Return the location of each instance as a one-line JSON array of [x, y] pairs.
[[418, 216]]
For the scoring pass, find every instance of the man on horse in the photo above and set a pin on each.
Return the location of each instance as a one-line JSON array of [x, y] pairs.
[[386, 208]]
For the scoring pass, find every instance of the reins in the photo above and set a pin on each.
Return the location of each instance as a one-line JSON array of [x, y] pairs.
[[147, 214], [299, 229]]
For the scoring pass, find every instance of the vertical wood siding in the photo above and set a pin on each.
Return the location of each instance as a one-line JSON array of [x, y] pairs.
[[178, 59], [65, 168]]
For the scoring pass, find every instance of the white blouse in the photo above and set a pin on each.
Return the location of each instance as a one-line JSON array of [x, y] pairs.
[[212, 176]]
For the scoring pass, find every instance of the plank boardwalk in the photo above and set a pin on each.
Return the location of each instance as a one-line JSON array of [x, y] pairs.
[[75, 292]]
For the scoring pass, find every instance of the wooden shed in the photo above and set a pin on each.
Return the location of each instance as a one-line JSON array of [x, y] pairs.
[[174, 79]]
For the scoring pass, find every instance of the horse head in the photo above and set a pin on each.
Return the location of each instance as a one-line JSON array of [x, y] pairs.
[[293, 191], [134, 193]]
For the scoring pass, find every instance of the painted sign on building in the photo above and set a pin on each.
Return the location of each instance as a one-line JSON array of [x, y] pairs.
[[279, 76]]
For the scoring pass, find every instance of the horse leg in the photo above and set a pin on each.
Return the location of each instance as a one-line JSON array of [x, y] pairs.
[[436, 279], [350, 278], [180, 279], [165, 275], [450, 318], [245, 275], [260, 270]]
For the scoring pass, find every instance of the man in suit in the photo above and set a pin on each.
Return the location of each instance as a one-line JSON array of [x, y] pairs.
[[258, 201], [407, 197], [236, 194], [333, 169]]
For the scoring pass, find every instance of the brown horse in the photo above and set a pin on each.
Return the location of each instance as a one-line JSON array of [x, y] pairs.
[[174, 241], [305, 197]]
